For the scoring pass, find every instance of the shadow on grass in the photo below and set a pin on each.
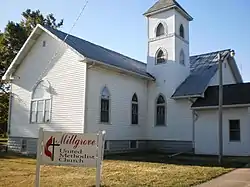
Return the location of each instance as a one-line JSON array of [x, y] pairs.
[[182, 159], [154, 157], [14, 155]]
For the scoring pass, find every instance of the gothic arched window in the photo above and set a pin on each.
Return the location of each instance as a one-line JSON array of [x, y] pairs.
[[182, 31], [160, 111], [160, 30], [182, 58], [134, 115], [41, 103], [161, 56], [105, 105]]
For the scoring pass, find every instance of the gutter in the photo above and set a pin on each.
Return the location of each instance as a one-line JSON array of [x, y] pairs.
[[224, 106], [88, 60], [187, 97]]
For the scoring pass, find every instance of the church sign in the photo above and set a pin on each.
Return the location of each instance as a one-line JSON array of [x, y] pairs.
[[70, 149]]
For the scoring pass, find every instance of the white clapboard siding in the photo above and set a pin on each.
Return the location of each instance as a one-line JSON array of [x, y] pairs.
[[121, 88], [228, 77], [206, 132], [67, 78], [179, 119]]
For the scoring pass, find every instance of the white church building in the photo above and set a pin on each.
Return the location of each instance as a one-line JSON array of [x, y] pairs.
[[168, 104]]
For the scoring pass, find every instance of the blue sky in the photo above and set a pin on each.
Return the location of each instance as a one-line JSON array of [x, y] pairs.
[[120, 25]]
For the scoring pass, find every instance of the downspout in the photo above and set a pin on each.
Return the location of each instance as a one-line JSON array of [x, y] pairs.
[[194, 115], [9, 110], [86, 97]]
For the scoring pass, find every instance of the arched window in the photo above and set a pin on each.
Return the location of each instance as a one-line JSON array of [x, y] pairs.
[[160, 30], [134, 116], [161, 56], [105, 105], [41, 103], [182, 58], [182, 31], [160, 111]]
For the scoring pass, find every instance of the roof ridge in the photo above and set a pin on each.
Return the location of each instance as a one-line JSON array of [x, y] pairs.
[[212, 52], [109, 50]]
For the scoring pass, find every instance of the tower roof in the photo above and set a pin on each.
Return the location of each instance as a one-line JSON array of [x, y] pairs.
[[162, 5]]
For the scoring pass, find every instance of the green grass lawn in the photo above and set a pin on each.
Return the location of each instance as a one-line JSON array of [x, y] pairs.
[[125, 170]]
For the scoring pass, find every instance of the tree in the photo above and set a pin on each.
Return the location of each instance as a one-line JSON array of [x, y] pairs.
[[11, 41]]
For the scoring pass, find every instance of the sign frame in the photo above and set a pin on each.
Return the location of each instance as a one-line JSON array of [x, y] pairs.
[[99, 155]]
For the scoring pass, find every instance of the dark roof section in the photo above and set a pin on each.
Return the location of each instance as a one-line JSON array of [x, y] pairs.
[[165, 4], [203, 68], [98, 53], [233, 94]]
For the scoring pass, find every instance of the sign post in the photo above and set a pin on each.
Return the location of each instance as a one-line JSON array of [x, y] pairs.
[[38, 157], [70, 149]]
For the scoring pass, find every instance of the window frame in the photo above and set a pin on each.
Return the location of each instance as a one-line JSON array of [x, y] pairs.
[[157, 33], [23, 150], [36, 100], [182, 31], [165, 55], [109, 104], [234, 130], [131, 112], [136, 144], [165, 111], [182, 54]]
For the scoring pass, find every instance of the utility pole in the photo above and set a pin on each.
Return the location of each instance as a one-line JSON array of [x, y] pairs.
[[220, 61]]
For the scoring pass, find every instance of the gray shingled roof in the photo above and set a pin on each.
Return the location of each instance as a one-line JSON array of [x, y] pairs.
[[203, 68], [233, 94], [164, 4], [98, 53]]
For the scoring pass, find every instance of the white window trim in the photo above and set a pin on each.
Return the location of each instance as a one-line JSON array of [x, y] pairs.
[[36, 101], [184, 62], [165, 106], [165, 29], [183, 31], [137, 144], [100, 109], [234, 141], [131, 115], [165, 56]]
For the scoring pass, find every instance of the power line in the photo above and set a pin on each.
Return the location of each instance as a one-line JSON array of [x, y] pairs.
[[62, 42], [53, 57]]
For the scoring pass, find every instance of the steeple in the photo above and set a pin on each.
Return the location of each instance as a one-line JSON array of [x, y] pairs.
[[168, 44], [163, 5]]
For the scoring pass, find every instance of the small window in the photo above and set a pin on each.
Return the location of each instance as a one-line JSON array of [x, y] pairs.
[[105, 105], [133, 144], [234, 130], [24, 145], [160, 30], [161, 56], [134, 111], [182, 31], [182, 58], [44, 43], [160, 111]]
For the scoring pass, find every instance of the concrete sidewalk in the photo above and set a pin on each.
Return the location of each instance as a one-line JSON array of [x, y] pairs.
[[237, 178]]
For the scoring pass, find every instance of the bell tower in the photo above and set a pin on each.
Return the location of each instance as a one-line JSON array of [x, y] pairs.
[[168, 44]]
